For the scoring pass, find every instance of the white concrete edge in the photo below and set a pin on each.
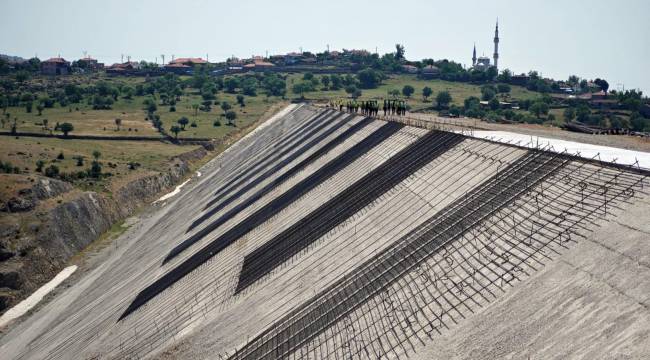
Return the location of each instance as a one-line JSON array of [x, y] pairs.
[[587, 151], [24, 306]]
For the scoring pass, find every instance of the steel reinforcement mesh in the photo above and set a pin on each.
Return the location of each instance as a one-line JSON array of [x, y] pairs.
[[460, 259], [330, 214], [249, 200], [305, 130], [260, 216]]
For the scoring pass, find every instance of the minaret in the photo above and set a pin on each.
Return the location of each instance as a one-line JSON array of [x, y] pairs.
[[474, 56], [496, 45]]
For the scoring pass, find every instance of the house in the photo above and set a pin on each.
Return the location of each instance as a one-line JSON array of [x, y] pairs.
[[55, 66], [520, 80], [90, 64], [189, 61], [178, 68], [410, 69], [430, 72], [293, 58], [127, 68], [600, 95]]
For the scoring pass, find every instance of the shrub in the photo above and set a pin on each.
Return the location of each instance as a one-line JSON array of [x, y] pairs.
[[52, 171]]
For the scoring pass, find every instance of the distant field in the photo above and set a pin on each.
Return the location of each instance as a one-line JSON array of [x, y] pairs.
[[459, 91], [87, 121], [255, 107], [25, 151]]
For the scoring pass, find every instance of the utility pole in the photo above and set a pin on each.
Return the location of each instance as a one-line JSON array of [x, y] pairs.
[[121, 58], [162, 56]]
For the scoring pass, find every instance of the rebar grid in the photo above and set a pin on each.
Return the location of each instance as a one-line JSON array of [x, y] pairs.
[[507, 252], [484, 153]]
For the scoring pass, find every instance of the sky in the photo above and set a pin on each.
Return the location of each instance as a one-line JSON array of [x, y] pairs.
[[558, 38]]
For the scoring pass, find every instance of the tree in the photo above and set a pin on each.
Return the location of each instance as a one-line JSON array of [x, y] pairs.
[[426, 92], [408, 90], [393, 93], [369, 78], [195, 106], [231, 116], [225, 106], [337, 82], [240, 100], [505, 76], [28, 106], [118, 122], [350, 89], [175, 129], [249, 86], [80, 160], [583, 113], [443, 99], [183, 121], [569, 114], [487, 92], [638, 122], [301, 88], [399, 52], [538, 108], [503, 88], [96, 154], [603, 84], [40, 109], [45, 122], [231, 84], [325, 80], [95, 169], [274, 85], [66, 127], [494, 104]]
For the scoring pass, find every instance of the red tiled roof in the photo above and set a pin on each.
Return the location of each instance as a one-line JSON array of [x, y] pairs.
[[55, 60], [188, 60]]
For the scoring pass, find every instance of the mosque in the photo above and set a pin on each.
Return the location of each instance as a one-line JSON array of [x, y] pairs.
[[483, 63]]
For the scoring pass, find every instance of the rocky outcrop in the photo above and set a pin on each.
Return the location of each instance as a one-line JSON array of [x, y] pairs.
[[32, 254], [28, 198]]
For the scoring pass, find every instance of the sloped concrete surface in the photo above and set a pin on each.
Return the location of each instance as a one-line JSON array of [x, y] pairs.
[[549, 260]]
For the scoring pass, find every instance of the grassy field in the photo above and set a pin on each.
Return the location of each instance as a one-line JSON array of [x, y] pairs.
[[115, 157], [459, 91], [87, 121], [255, 107]]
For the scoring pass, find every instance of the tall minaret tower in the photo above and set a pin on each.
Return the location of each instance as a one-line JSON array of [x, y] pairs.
[[496, 45], [474, 56]]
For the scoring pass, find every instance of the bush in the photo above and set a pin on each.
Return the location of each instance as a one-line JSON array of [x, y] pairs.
[[39, 165], [216, 123], [95, 169], [60, 156], [172, 108], [52, 171]]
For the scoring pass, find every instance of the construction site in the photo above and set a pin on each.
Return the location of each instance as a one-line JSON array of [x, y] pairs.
[[329, 235]]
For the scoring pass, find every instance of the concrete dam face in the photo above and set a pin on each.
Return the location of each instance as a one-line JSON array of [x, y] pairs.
[[328, 235]]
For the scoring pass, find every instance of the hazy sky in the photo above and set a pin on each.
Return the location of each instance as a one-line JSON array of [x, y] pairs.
[[589, 38]]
